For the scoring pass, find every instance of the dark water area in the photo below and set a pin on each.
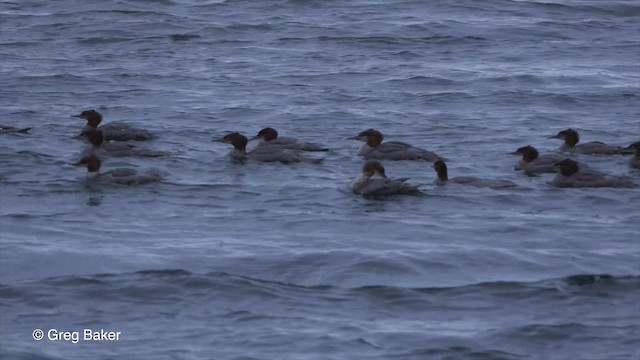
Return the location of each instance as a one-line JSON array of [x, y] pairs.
[[227, 260]]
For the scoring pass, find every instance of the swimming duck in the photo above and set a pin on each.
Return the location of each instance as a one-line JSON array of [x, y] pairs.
[[113, 131], [571, 140], [571, 175], [116, 176], [270, 136], [443, 179], [264, 153], [391, 150], [365, 185]]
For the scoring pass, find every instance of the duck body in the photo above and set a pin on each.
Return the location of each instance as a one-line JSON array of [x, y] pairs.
[[117, 131], [382, 187], [543, 164], [593, 148], [99, 147], [532, 163], [273, 153], [476, 182]]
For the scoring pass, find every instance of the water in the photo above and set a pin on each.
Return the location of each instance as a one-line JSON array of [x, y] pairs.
[[270, 261]]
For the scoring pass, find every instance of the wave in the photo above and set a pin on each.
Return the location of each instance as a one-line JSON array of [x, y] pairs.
[[617, 8], [157, 281], [393, 40]]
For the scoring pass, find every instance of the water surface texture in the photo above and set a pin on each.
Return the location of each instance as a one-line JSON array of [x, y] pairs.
[[269, 261]]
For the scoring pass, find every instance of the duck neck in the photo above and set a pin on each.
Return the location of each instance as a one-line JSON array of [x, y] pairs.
[[360, 181], [569, 170], [374, 141], [529, 156], [571, 139], [442, 174], [238, 153]]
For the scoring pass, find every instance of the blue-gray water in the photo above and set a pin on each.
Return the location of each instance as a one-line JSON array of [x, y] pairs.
[[268, 261]]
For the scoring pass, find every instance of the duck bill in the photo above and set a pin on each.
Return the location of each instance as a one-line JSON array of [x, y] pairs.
[[255, 138], [555, 137], [77, 116], [360, 138]]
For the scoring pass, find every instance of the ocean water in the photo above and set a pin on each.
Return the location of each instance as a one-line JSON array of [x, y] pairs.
[[269, 261]]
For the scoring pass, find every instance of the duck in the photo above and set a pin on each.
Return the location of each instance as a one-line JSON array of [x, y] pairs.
[[443, 178], [381, 186], [532, 163], [374, 148], [263, 153], [97, 146], [5, 129], [570, 175], [571, 139], [116, 176], [113, 131], [269, 136]]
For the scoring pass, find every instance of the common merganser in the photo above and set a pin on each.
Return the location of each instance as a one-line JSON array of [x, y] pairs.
[[570, 175], [265, 153], [391, 150], [533, 164], [5, 129], [365, 185], [571, 140], [116, 176], [270, 136], [634, 162], [443, 179], [97, 146], [113, 131]]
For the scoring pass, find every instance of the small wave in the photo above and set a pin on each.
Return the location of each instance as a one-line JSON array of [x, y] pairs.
[[457, 352], [603, 8], [163, 2], [253, 27], [439, 39], [164, 272], [183, 37], [422, 81], [100, 40], [27, 355], [177, 276]]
